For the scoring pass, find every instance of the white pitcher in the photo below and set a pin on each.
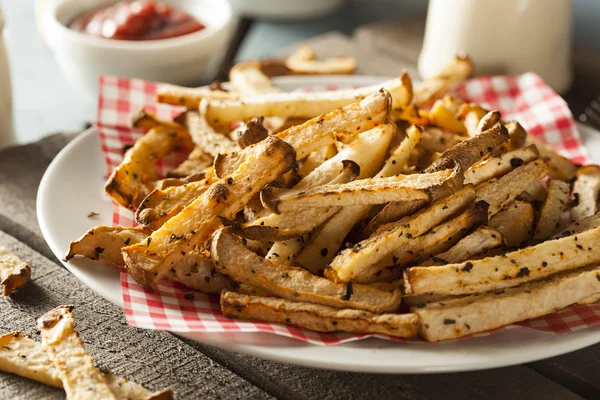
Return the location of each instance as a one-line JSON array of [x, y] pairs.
[[6, 117], [502, 37]]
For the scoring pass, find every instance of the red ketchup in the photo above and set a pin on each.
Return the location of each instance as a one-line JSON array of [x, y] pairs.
[[137, 20]]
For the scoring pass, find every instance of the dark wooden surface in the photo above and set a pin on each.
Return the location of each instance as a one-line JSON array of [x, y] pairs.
[[159, 359]]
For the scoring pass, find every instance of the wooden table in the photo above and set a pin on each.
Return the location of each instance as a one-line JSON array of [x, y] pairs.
[[159, 359]]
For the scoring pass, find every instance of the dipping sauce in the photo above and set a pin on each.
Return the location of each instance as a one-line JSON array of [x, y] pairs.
[[137, 20]]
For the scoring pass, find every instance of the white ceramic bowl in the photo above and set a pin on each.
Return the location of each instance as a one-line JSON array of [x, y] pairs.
[[185, 60], [285, 9]]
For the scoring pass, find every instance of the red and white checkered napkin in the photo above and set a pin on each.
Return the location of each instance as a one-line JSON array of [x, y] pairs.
[[525, 98]]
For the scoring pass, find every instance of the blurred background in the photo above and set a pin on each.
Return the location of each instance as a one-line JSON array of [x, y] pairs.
[[44, 101]]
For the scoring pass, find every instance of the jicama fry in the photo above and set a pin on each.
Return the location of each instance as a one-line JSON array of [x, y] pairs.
[[553, 207], [189, 97], [317, 317], [504, 190], [196, 163], [474, 245], [364, 191], [14, 273], [398, 160], [161, 205], [468, 315], [495, 165], [511, 269], [516, 222], [585, 191], [127, 184], [80, 379], [303, 104]]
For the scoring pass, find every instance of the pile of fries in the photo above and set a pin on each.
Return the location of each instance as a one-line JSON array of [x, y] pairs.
[[383, 209]]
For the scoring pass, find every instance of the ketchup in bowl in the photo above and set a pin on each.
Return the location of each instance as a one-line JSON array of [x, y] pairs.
[[137, 20]]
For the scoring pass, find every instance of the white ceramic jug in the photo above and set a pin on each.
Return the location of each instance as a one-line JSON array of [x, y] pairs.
[[6, 118], [502, 37]]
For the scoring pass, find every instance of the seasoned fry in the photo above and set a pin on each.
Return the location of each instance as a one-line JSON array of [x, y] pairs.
[[161, 205], [189, 97], [452, 103], [352, 262], [81, 380], [585, 191], [249, 80], [146, 120], [205, 136], [474, 245], [438, 240], [441, 116], [470, 114], [412, 114], [438, 140], [398, 160], [14, 273], [293, 223], [432, 88], [471, 150], [127, 183], [377, 140], [285, 226], [468, 315], [511, 269], [104, 243], [197, 271], [516, 222], [317, 158], [553, 207], [284, 252], [329, 237], [196, 163], [560, 167], [364, 191], [518, 135], [317, 317], [590, 299], [21, 355], [172, 182], [250, 133], [303, 104], [153, 258], [504, 190], [582, 225], [242, 265], [495, 165]]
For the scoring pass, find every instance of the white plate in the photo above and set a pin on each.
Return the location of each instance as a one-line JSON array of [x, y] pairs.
[[73, 186]]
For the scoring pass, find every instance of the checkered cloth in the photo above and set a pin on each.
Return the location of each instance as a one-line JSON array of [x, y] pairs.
[[524, 98]]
